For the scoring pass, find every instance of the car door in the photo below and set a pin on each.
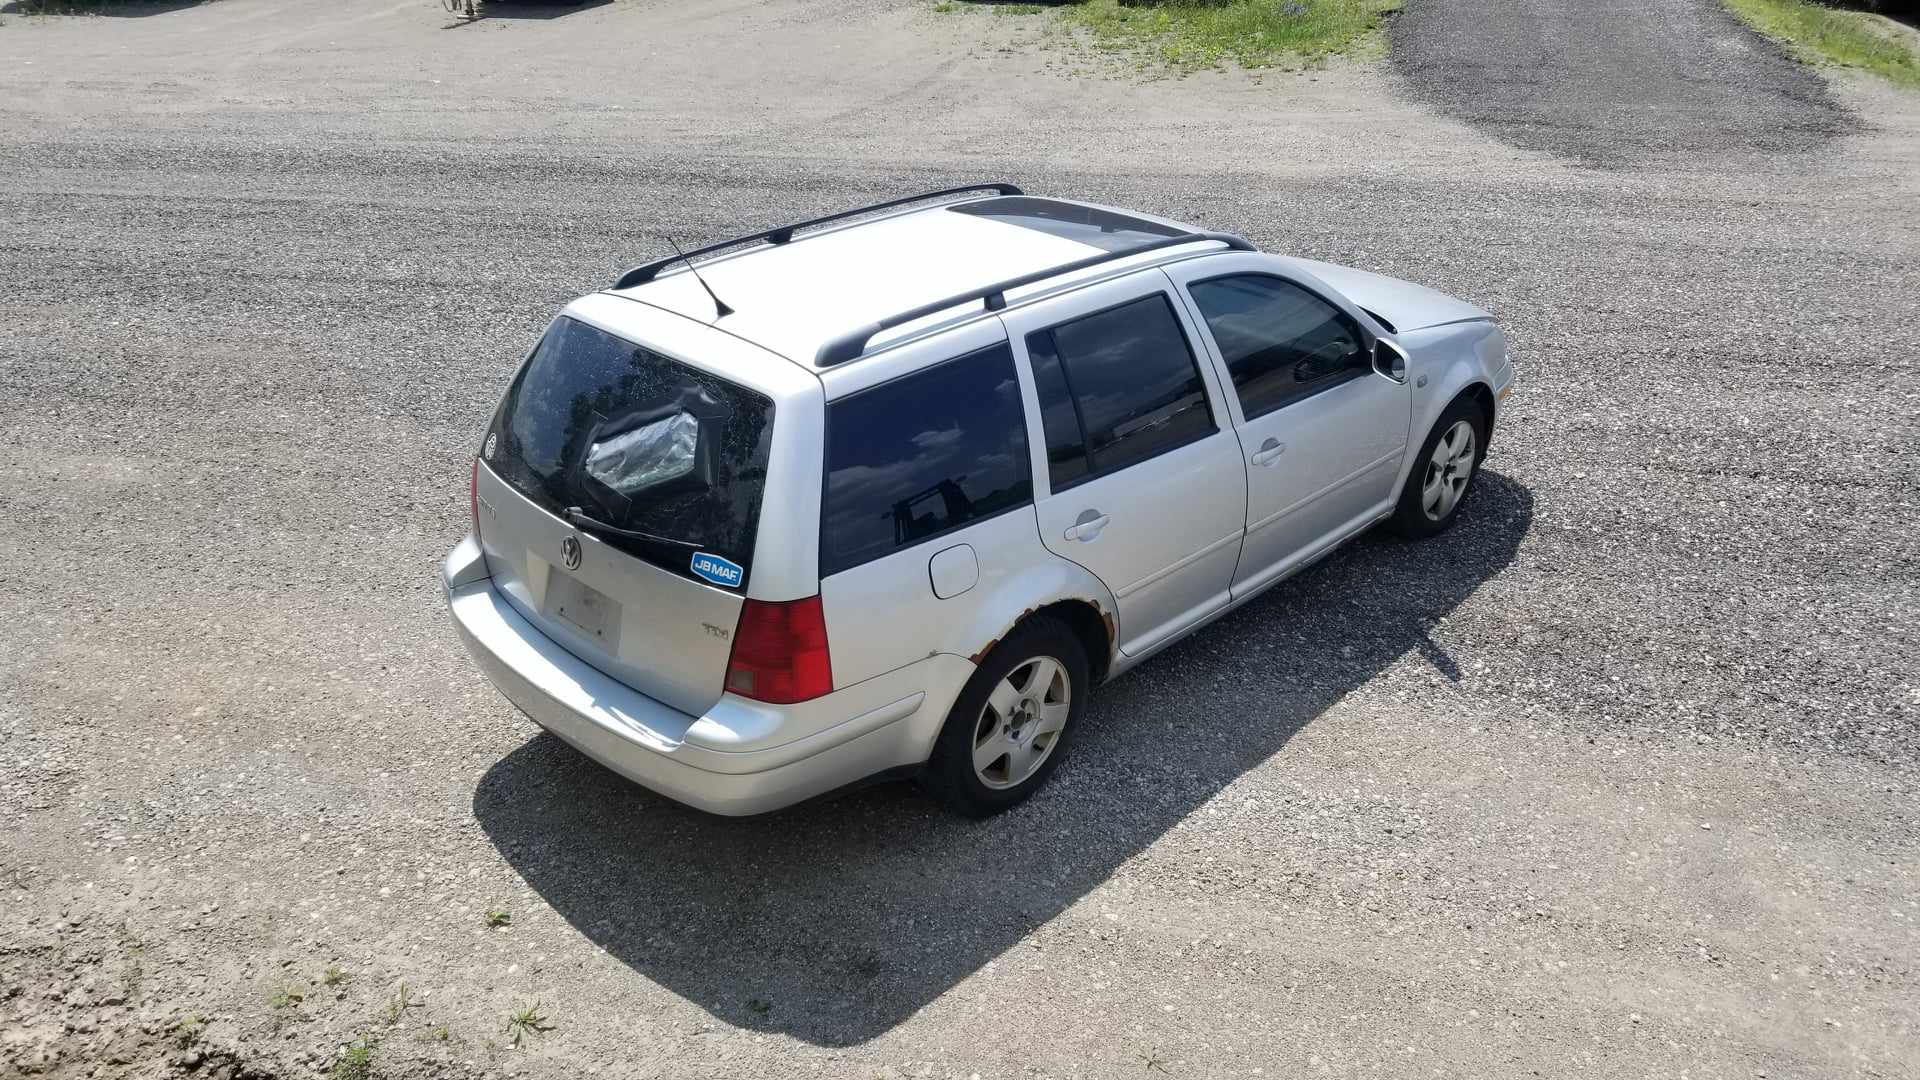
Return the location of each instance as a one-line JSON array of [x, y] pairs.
[[1142, 481], [1323, 430]]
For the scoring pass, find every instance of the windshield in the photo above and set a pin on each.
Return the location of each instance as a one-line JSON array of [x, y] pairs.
[[639, 441]]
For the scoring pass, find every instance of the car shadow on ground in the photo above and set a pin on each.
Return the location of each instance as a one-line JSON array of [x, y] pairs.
[[835, 921], [115, 9], [537, 9]]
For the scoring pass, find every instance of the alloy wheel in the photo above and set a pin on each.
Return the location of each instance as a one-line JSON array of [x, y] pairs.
[[1021, 722], [1448, 471]]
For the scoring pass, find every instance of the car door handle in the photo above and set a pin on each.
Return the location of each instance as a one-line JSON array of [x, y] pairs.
[[1269, 452], [1088, 527]]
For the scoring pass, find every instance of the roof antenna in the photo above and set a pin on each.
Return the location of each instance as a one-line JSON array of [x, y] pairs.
[[719, 305]]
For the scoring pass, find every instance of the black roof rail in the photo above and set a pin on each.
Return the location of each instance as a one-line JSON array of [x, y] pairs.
[[646, 272], [853, 344]]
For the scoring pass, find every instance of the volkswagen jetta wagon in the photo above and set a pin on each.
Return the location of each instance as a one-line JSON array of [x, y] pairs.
[[890, 492]]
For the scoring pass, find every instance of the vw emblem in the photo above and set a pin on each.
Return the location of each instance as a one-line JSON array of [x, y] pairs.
[[570, 552]]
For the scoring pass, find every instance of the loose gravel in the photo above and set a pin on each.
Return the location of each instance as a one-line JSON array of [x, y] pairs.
[[1617, 778]]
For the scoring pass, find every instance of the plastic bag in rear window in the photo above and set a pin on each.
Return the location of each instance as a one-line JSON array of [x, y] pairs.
[[648, 456]]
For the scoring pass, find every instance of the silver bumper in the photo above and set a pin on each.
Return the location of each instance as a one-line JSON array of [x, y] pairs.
[[630, 733]]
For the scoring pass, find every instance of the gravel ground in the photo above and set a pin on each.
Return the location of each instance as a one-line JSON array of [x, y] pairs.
[[1617, 778]]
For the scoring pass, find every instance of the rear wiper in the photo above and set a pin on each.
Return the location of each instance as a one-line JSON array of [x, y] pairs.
[[579, 517]]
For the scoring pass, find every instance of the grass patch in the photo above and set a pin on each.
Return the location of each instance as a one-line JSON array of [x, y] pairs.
[[1189, 35], [1817, 32]]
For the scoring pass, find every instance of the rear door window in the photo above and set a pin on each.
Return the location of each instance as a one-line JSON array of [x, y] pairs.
[[1116, 388], [923, 455], [671, 455]]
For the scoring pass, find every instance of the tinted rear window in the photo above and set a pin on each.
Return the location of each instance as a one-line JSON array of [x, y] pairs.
[[639, 441], [1134, 388], [923, 455]]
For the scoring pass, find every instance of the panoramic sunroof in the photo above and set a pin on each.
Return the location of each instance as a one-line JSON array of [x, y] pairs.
[[1103, 229]]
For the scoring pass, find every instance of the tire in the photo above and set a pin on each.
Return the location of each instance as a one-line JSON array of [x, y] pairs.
[[1439, 482], [1022, 721]]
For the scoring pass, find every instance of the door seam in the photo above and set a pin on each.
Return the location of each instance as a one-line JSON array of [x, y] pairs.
[[1122, 594], [1254, 527]]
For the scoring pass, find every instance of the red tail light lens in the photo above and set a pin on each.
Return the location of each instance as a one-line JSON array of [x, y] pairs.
[[780, 652]]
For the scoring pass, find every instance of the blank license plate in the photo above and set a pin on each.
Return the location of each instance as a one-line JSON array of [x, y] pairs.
[[592, 612]]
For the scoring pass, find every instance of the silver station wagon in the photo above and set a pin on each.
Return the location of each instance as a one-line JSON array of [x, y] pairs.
[[889, 492]]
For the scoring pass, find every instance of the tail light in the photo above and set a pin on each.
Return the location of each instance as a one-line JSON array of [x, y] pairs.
[[473, 498], [780, 652]]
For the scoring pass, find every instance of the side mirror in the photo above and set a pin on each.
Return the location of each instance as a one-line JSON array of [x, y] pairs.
[[1389, 360]]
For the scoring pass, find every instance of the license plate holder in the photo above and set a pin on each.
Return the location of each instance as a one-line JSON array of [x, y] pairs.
[[586, 609]]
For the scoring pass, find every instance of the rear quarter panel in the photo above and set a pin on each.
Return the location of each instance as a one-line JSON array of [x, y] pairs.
[[883, 614]]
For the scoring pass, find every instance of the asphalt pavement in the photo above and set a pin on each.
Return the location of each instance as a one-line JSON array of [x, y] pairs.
[[1614, 83]]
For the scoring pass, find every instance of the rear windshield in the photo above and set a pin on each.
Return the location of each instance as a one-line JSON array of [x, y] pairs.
[[639, 442]]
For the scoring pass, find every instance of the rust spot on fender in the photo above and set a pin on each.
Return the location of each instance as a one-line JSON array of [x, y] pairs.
[[984, 650], [989, 646], [1113, 627]]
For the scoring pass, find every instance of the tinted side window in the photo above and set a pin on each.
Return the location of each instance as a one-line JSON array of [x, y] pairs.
[[1281, 342], [1132, 385], [1059, 417], [923, 455]]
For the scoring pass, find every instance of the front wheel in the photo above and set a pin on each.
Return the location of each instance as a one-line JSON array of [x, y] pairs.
[[1443, 471], [1010, 727]]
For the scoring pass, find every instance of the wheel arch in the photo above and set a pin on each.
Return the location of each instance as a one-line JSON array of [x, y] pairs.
[[1093, 626], [1481, 395], [1451, 362]]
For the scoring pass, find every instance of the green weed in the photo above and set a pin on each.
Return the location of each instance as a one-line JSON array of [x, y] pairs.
[[356, 1059], [286, 995], [399, 1003], [527, 1021]]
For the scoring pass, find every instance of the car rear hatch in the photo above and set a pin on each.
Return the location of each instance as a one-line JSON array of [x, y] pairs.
[[618, 500]]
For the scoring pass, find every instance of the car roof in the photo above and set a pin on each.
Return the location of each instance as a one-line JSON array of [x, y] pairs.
[[792, 298]]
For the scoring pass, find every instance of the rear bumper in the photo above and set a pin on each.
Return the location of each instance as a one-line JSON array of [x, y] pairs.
[[886, 726]]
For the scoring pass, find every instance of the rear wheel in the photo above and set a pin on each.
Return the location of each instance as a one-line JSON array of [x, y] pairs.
[[1010, 727], [1442, 472]]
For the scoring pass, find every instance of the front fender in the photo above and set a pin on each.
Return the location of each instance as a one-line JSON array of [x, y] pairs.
[[1445, 362]]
